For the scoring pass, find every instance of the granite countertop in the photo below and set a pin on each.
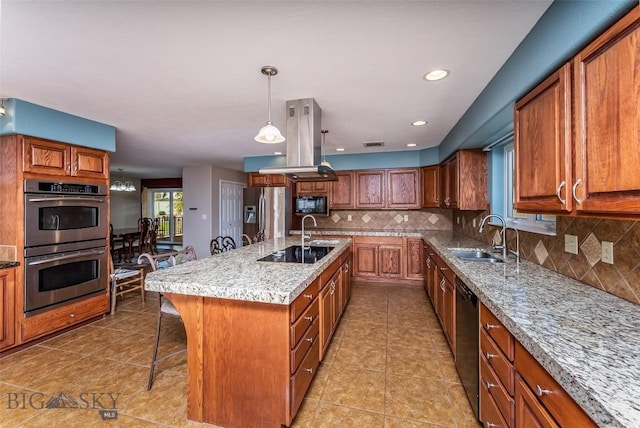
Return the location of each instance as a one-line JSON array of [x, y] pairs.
[[4, 264], [587, 339], [358, 232], [238, 275]]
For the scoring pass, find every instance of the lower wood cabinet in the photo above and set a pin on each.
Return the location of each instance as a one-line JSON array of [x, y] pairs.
[[529, 411], [334, 294], [7, 308], [379, 258]]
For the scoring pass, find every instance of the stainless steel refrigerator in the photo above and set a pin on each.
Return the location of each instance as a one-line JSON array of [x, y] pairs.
[[267, 209]]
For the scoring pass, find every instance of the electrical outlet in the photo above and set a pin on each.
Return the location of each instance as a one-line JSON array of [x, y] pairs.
[[349, 217], [571, 244], [607, 252], [406, 217], [204, 216], [473, 222]]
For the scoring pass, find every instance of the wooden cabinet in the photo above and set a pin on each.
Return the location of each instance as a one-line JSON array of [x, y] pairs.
[[266, 180], [530, 413], [403, 188], [312, 188], [342, 192], [7, 308], [430, 178], [414, 258], [444, 300], [334, 294], [463, 180], [591, 174], [378, 257], [430, 273], [42, 156], [370, 189]]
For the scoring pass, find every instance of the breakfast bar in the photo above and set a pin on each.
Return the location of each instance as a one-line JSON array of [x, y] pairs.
[[256, 329]]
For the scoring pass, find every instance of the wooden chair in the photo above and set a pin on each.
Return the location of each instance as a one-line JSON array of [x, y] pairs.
[[221, 244], [166, 308], [144, 223], [246, 240], [151, 240], [116, 244], [124, 281]]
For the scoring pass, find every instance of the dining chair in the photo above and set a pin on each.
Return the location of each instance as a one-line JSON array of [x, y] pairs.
[[116, 244], [246, 240], [151, 241], [165, 308], [124, 281], [221, 244], [143, 227]]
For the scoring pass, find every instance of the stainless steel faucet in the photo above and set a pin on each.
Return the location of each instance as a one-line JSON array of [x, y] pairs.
[[517, 251], [304, 237], [502, 247]]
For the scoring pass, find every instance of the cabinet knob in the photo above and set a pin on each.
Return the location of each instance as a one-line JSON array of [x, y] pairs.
[[562, 201], [490, 326], [541, 391], [308, 296], [309, 339], [308, 370], [489, 356], [72, 315], [489, 425], [573, 191], [490, 385], [310, 319]]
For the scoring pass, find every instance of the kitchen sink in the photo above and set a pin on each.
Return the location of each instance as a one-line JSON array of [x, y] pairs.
[[476, 256], [322, 242], [294, 254]]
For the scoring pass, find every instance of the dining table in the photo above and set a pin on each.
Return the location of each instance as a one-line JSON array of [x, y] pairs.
[[129, 236]]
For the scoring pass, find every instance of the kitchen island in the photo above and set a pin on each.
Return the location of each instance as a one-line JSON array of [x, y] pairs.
[[255, 329]]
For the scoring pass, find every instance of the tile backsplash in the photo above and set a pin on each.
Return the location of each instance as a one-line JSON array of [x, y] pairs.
[[622, 278], [435, 219]]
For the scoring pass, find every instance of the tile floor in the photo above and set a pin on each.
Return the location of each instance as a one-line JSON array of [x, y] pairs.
[[388, 365]]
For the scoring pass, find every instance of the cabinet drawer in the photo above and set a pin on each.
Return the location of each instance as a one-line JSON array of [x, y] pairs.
[[56, 319], [302, 324], [500, 395], [497, 361], [489, 413], [549, 392], [303, 300], [310, 337], [301, 380], [497, 331], [529, 411]]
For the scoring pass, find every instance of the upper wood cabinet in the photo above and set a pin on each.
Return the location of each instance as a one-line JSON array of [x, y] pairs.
[[53, 158], [342, 192], [255, 179], [314, 188], [370, 186], [593, 173], [463, 180], [430, 186], [388, 188]]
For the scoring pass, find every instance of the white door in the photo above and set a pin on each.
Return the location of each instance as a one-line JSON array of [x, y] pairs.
[[231, 210]]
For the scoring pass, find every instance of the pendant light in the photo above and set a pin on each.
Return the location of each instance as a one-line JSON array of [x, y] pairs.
[[122, 186], [324, 160], [269, 134]]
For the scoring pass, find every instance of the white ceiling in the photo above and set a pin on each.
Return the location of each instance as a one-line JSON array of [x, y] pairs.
[[181, 80]]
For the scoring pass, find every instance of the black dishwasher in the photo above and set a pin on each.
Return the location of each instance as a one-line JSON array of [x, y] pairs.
[[467, 342]]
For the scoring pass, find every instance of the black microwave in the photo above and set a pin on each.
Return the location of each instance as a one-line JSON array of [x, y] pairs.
[[311, 205]]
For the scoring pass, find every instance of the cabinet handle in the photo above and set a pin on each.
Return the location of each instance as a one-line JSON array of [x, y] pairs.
[[490, 385], [72, 315], [489, 425], [542, 391], [346, 267], [573, 191], [444, 268], [562, 201], [309, 318], [490, 326], [489, 356], [429, 263], [308, 370], [308, 296], [309, 339]]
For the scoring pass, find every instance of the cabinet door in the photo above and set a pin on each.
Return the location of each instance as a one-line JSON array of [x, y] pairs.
[[529, 411], [430, 277], [449, 314], [46, 157], [452, 182], [366, 259], [370, 187], [542, 146], [443, 174], [607, 92], [341, 192], [277, 180], [414, 258], [257, 180], [438, 295], [390, 260], [430, 187], [89, 163], [305, 188], [7, 308], [326, 318], [403, 188], [346, 281]]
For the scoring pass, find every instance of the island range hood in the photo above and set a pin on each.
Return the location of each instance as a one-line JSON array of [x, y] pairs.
[[303, 144]]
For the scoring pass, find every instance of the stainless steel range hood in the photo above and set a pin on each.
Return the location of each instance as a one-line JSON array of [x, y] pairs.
[[303, 144]]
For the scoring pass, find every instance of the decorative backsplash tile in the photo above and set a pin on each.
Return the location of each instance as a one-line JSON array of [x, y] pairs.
[[8, 252], [435, 219], [622, 278]]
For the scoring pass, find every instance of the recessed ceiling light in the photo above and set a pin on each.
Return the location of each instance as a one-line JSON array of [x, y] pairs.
[[277, 153], [419, 123], [411, 145], [436, 74], [340, 149]]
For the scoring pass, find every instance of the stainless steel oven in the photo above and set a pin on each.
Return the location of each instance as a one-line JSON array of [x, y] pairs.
[[61, 212], [55, 275]]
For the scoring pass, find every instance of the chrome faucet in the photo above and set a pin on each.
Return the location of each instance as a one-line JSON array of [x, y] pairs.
[[517, 251], [304, 237], [503, 234]]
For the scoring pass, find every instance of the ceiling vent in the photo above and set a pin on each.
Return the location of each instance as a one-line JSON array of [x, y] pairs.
[[373, 144]]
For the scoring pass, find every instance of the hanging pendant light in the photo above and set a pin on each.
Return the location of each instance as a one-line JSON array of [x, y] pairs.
[[122, 186], [269, 134], [324, 160]]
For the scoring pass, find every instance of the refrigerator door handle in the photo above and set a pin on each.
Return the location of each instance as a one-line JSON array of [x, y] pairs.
[[261, 212]]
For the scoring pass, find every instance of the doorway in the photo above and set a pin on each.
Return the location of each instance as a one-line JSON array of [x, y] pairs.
[[231, 210], [167, 206]]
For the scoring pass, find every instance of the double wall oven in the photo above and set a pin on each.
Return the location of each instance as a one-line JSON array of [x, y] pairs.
[[66, 229]]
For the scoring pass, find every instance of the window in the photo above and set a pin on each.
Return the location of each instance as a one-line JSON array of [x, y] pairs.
[[537, 223]]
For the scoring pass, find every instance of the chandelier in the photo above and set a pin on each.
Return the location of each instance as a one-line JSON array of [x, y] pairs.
[[122, 186]]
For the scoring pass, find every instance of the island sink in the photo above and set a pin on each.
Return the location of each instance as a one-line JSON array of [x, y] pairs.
[[294, 254], [476, 256]]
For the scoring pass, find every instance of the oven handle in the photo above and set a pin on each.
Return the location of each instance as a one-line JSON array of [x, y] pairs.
[[68, 257], [66, 198]]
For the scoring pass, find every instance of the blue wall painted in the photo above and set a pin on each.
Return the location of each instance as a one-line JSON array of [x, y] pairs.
[[30, 119], [411, 158], [559, 34]]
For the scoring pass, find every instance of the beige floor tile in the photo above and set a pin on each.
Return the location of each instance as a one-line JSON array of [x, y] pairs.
[[364, 331], [448, 366], [20, 358], [410, 338], [41, 366], [361, 389], [319, 381], [82, 418], [464, 412], [365, 314], [331, 416], [19, 405], [162, 403], [306, 413], [329, 356], [393, 422], [403, 361], [362, 354], [422, 399]]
